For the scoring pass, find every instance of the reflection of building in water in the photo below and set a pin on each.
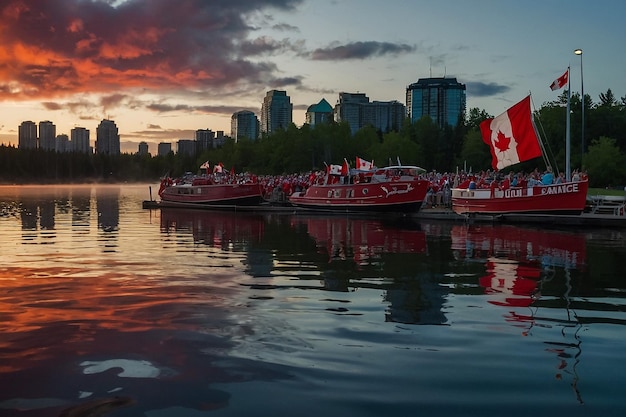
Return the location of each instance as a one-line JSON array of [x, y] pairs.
[[46, 214], [37, 216], [28, 214], [81, 207], [108, 207], [416, 300]]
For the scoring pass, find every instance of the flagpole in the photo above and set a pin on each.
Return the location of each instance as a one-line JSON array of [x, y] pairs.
[[567, 132]]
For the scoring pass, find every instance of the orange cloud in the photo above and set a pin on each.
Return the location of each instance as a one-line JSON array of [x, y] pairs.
[[92, 46]]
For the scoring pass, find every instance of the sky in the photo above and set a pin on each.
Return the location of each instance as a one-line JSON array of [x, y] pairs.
[[162, 69]]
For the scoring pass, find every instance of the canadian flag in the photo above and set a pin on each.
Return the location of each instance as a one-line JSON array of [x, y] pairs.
[[334, 169], [364, 165], [345, 168], [561, 81], [511, 136]]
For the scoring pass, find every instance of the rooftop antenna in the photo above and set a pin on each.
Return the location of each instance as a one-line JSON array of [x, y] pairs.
[[444, 72], [430, 66]]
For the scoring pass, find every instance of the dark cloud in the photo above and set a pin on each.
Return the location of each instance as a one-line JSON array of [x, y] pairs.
[[151, 126], [360, 50], [112, 100], [479, 89], [284, 27], [50, 105], [169, 108], [154, 45]]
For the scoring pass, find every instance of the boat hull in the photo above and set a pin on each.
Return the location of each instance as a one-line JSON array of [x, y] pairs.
[[400, 196], [214, 194], [566, 198]]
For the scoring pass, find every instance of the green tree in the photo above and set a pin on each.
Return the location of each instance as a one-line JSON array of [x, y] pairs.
[[605, 164]]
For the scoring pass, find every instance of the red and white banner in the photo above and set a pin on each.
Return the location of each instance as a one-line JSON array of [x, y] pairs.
[[511, 136], [560, 82], [364, 165]]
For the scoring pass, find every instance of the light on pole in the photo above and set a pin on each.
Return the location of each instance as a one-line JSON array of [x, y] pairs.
[[582, 100]]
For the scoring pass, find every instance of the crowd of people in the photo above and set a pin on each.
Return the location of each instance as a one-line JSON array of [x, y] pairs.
[[278, 188]]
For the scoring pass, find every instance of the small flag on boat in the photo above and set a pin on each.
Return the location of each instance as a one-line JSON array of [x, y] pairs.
[[345, 168], [561, 81], [362, 164]]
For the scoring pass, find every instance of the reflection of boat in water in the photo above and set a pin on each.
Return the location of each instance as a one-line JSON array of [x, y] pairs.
[[530, 270], [548, 247], [371, 254], [363, 239], [214, 228], [515, 257]]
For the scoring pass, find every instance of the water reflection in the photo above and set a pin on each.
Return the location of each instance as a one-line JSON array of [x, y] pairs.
[[535, 274], [360, 316], [517, 259], [108, 207]]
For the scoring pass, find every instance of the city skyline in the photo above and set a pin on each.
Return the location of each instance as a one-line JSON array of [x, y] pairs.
[[163, 73]]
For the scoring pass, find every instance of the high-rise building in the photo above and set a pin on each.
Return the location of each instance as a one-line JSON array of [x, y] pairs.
[[142, 149], [443, 99], [385, 116], [220, 139], [244, 124], [62, 143], [204, 140], [107, 138], [186, 147], [47, 135], [164, 148], [27, 135], [321, 112], [348, 109], [276, 111], [79, 137]]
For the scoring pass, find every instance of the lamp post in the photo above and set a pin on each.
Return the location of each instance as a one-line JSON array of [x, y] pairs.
[[582, 97]]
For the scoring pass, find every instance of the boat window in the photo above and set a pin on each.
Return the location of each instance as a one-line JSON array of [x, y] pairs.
[[365, 191], [337, 193]]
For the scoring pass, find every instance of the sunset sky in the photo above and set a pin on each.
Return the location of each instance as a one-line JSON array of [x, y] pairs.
[[162, 69]]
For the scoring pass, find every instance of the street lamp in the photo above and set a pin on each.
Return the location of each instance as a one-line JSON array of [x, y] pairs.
[[582, 96]]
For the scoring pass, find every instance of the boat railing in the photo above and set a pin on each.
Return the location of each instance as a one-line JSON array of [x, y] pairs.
[[607, 204]]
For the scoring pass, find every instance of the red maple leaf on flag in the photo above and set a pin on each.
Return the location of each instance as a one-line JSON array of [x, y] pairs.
[[502, 142]]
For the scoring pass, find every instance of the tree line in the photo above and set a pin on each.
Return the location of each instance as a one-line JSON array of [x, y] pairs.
[[306, 148]]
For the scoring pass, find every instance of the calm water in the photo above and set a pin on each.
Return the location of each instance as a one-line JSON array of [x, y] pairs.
[[109, 308]]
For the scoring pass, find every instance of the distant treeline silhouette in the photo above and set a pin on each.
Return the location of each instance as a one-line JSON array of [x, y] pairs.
[[306, 148]]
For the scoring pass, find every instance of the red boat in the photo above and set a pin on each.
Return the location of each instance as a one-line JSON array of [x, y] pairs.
[[212, 189], [512, 139], [564, 198], [397, 188]]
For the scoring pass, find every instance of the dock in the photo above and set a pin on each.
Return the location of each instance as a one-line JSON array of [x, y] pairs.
[[600, 213]]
